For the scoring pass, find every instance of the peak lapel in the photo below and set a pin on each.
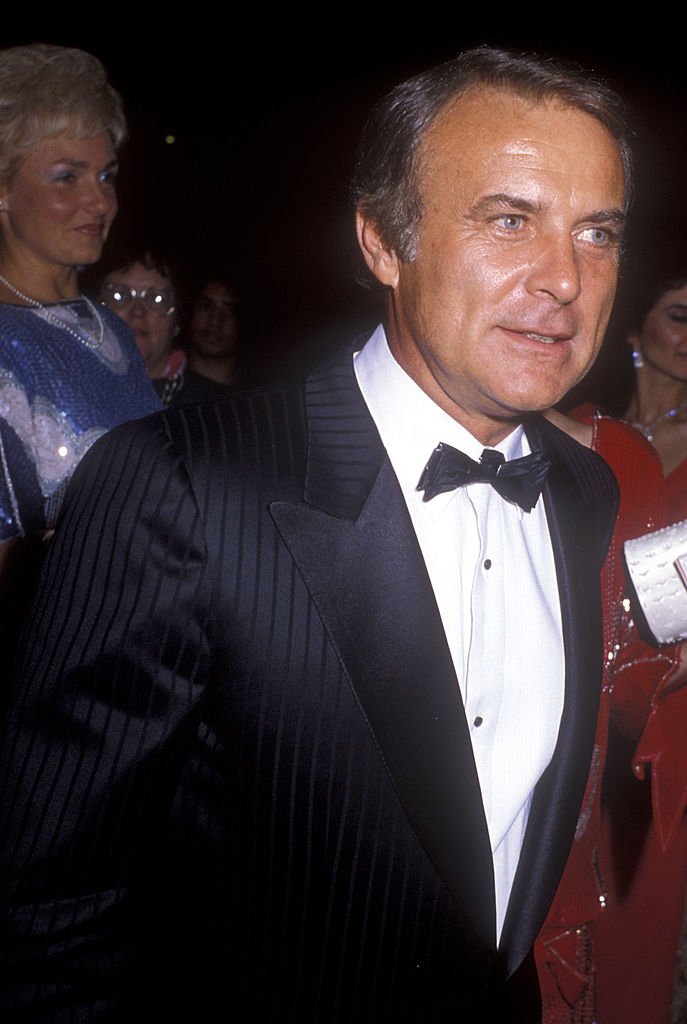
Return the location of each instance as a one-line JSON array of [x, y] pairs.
[[581, 499], [355, 547]]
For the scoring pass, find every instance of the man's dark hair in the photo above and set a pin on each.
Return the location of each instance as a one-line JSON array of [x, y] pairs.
[[386, 180]]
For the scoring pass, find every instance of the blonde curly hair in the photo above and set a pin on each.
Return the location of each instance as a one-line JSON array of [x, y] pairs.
[[46, 90]]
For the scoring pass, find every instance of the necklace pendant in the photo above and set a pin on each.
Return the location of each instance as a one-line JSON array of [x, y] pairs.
[[41, 309], [647, 429]]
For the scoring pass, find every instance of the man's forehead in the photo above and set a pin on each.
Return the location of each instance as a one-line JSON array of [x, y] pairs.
[[479, 103], [487, 130]]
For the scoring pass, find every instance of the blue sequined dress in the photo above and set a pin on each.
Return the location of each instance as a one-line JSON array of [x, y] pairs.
[[57, 396]]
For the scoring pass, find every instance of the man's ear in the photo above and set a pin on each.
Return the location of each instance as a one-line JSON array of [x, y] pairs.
[[381, 260]]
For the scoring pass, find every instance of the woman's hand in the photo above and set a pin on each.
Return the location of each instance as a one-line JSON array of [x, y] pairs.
[[677, 678]]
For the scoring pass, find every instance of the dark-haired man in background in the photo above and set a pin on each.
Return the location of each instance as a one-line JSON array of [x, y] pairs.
[[303, 723]]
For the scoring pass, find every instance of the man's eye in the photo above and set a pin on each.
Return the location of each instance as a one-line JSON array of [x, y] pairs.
[[597, 236], [511, 221]]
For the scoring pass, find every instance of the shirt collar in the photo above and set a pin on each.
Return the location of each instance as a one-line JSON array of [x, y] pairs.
[[410, 423]]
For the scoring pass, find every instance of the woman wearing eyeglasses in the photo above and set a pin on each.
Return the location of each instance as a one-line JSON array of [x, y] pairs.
[[142, 291], [69, 371]]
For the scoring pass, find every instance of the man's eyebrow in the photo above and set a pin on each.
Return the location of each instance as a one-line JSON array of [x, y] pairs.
[[505, 201], [612, 216]]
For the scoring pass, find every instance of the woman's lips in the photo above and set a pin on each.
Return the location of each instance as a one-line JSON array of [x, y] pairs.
[[92, 230]]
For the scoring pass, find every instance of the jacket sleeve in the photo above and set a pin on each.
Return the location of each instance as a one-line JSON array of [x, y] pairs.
[[105, 699]]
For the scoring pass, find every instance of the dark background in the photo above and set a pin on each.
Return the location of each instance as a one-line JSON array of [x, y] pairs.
[[266, 110]]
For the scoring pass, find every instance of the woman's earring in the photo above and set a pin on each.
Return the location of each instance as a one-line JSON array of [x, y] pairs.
[[637, 359]]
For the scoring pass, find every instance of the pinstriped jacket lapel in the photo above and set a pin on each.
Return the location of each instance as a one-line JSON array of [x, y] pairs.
[[356, 549], [580, 536]]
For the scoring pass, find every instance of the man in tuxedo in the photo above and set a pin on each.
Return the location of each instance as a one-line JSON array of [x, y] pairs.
[[303, 719]]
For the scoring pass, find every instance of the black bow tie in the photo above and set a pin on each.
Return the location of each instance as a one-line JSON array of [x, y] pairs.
[[519, 480]]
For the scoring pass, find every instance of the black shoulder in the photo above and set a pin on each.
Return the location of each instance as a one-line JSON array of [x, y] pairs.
[[590, 472], [583, 485], [262, 422]]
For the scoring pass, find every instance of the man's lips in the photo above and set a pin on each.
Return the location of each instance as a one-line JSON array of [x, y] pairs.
[[548, 339], [541, 335]]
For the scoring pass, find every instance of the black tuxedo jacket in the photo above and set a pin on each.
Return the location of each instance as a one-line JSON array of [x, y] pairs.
[[237, 781]]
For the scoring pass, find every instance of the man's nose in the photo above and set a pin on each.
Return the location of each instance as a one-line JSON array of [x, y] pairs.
[[556, 270]]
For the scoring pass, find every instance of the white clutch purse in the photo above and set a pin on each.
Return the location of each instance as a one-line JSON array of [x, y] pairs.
[[657, 563]]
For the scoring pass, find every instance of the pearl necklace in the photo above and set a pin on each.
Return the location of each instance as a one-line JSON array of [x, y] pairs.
[[648, 428], [38, 308]]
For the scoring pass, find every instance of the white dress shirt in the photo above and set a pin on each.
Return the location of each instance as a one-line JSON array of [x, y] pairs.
[[492, 570]]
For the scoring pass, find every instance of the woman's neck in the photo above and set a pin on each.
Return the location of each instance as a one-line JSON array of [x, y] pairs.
[[659, 409], [33, 281], [655, 396]]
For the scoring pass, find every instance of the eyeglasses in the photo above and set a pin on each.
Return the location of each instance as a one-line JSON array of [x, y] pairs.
[[120, 296]]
